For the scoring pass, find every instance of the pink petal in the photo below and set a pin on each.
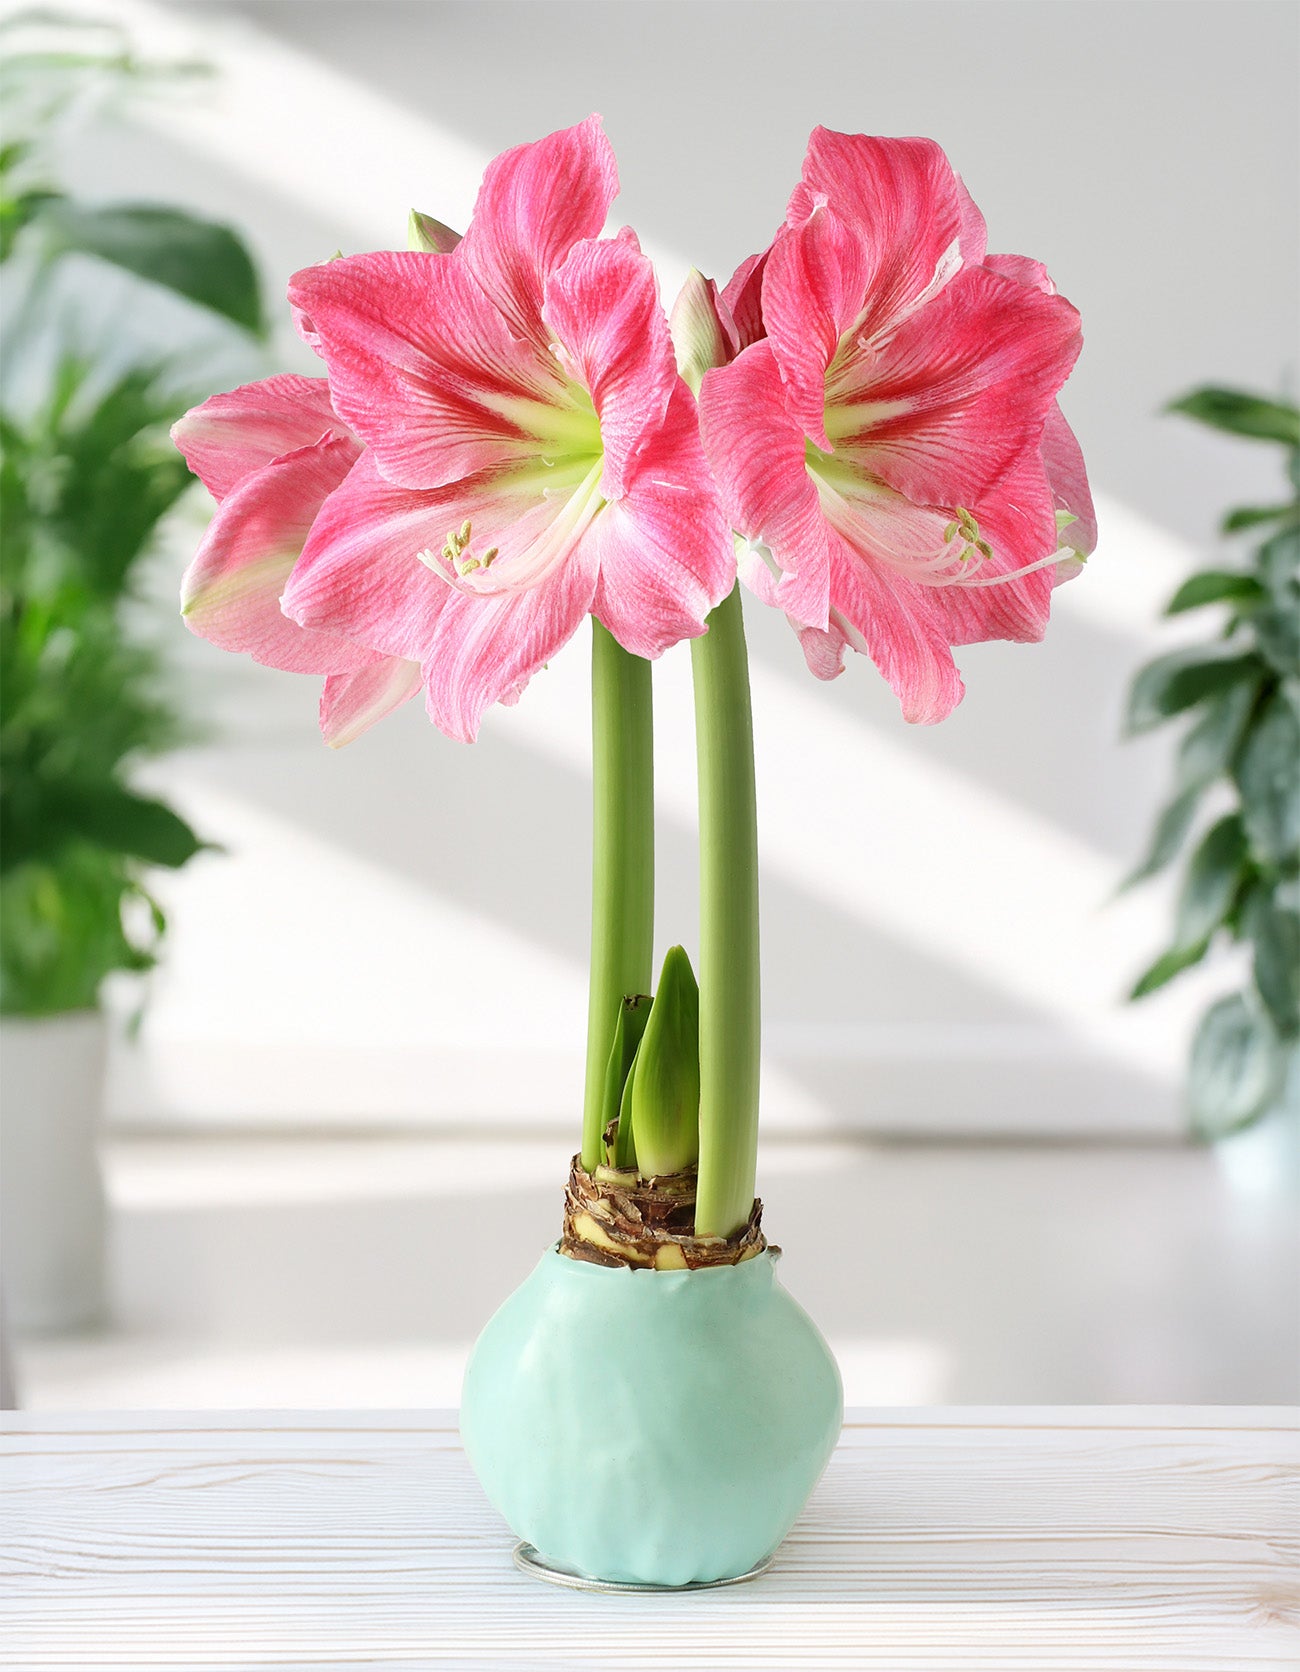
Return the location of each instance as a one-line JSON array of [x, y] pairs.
[[360, 572], [485, 649], [1023, 269], [901, 194], [231, 591], [1018, 520], [603, 304], [230, 436], [1068, 479], [813, 291], [352, 702], [665, 548], [973, 235], [423, 366], [743, 296], [535, 203], [1061, 453], [756, 451], [892, 621], [959, 390]]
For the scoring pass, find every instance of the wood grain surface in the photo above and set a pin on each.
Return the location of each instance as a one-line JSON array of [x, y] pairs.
[[1018, 1540]]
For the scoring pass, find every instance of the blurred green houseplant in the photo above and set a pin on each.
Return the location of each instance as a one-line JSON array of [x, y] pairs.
[[86, 474], [1241, 689]]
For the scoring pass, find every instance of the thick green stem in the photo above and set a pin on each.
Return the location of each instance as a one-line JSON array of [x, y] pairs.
[[729, 982], [623, 858]]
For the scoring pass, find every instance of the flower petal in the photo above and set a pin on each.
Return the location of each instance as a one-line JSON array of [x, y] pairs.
[[892, 620], [352, 702], [702, 329], [1068, 479], [360, 571], [230, 594], [1023, 269], [903, 195], [755, 448], [1018, 521], [959, 390], [666, 556], [603, 304], [813, 292], [743, 296], [230, 436], [423, 366], [485, 649], [535, 203]]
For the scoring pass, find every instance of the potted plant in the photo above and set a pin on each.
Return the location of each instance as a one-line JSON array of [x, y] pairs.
[[1240, 691], [861, 430], [86, 475]]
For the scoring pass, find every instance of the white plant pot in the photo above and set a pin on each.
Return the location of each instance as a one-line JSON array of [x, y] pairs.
[[52, 1209]]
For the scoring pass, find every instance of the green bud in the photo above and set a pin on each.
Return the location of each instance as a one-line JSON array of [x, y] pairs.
[[633, 1014], [425, 233], [700, 339], [666, 1075]]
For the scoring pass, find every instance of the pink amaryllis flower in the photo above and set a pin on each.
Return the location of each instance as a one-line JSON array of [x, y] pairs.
[[532, 455], [892, 447], [270, 454]]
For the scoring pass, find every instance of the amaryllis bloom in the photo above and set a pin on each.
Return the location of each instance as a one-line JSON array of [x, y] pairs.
[[892, 448], [270, 454], [531, 454]]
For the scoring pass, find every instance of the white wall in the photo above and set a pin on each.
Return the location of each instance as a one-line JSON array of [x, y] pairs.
[[399, 930]]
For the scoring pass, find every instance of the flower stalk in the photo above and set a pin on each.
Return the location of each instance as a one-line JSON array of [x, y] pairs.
[[622, 869], [729, 970]]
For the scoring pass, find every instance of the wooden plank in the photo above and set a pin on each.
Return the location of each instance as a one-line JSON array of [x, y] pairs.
[[1012, 1541]]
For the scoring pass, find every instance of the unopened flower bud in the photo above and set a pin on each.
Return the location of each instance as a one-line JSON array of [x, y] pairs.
[[425, 233]]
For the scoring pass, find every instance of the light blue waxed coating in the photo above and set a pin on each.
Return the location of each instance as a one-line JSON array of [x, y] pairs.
[[658, 1427]]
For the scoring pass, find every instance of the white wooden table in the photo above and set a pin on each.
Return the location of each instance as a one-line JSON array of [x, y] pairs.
[[1016, 1540]]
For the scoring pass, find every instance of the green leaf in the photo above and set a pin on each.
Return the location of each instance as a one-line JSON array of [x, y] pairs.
[[1240, 413], [633, 1014], [1267, 773], [62, 930], [206, 263], [1235, 1068], [122, 822], [625, 1139], [1278, 561], [1207, 748], [666, 1085], [1277, 633], [1214, 874], [1166, 967], [1250, 516], [1215, 586], [1168, 837], [1277, 967], [1179, 680], [18, 212]]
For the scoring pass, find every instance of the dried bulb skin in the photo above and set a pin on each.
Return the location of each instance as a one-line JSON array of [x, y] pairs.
[[613, 1218]]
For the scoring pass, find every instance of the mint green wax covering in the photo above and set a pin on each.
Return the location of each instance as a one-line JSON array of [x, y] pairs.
[[654, 1427]]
